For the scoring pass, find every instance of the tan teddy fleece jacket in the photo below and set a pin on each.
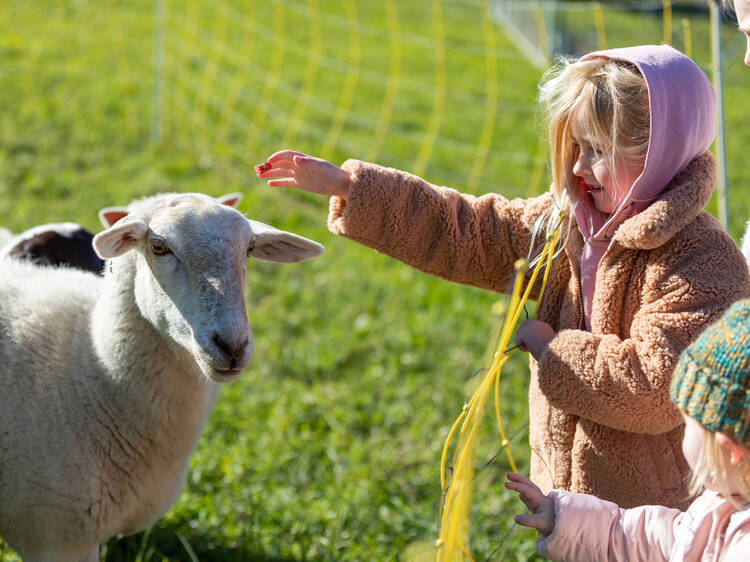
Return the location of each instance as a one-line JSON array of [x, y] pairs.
[[601, 421]]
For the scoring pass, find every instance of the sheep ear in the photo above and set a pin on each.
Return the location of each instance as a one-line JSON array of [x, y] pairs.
[[120, 238], [110, 215], [280, 246], [231, 199]]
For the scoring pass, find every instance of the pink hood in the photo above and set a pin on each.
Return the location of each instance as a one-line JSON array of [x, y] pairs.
[[682, 104]]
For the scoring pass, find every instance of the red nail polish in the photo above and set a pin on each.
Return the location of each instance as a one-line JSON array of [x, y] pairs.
[[262, 167]]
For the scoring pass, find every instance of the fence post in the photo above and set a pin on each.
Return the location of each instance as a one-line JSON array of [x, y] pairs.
[[716, 57], [157, 90]]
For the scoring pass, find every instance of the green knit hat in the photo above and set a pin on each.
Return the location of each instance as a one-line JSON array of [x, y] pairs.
[[712, 381]]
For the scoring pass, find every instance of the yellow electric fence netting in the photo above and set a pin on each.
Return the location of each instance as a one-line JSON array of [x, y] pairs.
[[456, 506]]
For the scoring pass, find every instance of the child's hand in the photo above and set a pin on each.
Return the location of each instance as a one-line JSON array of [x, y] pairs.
[[534, 336], [304, 172], [542, 516]]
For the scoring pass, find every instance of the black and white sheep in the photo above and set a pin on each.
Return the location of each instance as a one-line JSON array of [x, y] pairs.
[[55, 244], [106, 381]]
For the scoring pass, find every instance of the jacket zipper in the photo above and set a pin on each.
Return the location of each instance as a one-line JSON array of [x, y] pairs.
[[576, 276]]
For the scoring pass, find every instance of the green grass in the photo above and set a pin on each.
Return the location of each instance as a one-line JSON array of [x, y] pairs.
[[328, 446]]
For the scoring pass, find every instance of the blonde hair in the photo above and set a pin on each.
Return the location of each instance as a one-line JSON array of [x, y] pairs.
[[713, 470], [613, 98]]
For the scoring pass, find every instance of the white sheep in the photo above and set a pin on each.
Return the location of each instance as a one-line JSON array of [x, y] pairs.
[[107, 381]]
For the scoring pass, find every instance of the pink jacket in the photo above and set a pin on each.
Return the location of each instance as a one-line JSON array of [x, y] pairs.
[[589, 528]]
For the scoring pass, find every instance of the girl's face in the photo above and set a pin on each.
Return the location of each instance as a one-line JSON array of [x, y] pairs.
[[742, 8], [608, 189], [692, 441]]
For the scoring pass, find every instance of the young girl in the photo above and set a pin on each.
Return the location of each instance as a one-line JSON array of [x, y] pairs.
[[711, 386], [644, 268]]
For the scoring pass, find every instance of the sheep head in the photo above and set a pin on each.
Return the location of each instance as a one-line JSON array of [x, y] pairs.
[[190, 254]]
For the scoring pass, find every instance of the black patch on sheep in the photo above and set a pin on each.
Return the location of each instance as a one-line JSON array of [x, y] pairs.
[[52, 248]]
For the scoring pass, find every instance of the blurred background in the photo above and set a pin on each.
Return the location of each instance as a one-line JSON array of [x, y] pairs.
[[328, 447]]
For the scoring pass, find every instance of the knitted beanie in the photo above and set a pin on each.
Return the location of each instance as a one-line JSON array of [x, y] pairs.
[[712, 381]]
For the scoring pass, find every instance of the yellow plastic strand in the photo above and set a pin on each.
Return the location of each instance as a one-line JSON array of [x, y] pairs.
[[504, 442], [667, 9], [445, 448], [601, 31], [687, 37], [541, 29], [440, 88], [551, 254], [547, 251], [456, 506], [490, 107]]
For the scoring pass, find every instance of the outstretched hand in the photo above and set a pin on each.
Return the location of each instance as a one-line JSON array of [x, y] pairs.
[[299, 170], [542, 516]]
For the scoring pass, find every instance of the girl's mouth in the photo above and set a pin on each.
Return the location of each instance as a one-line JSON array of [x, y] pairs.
[[586, 187]]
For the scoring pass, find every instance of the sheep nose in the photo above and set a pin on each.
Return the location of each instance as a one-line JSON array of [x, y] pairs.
[[233, 352]]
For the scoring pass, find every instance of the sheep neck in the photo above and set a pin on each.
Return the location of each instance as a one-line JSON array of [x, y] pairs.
[[154, 386]]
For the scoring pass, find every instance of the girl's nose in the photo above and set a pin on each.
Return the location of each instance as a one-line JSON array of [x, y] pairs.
[[581, 166]]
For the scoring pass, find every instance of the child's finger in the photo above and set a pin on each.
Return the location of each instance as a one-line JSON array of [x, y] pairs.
[[284, 182], [531, 520], [525, 494], [267, 166], [283, 164], [276, 173], [513, 477], [525, 488], [285, 155], [516, 486], [260, 168]]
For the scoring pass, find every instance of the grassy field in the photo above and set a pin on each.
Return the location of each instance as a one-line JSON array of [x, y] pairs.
[[328, 446]]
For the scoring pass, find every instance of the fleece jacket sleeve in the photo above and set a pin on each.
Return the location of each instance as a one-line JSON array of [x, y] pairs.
[[461, 238], [591, 529], [623, 383]]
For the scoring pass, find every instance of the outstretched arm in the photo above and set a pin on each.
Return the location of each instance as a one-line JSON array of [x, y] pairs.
[[456, 236]]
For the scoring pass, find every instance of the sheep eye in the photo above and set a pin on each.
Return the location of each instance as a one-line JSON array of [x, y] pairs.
[[159, 248], [250, 250]]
